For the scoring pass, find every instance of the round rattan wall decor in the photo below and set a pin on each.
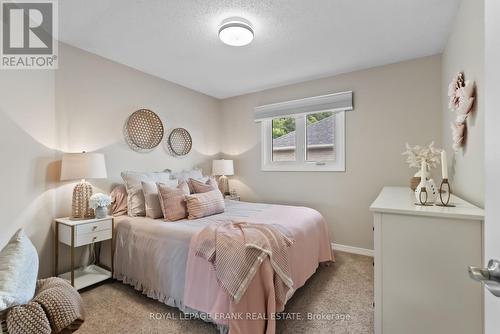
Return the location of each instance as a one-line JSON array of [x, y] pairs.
[[180, 142], [143, 130]]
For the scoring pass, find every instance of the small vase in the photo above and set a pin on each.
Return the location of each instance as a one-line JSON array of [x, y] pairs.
[[415, 180], [101, 212], [431, 190]]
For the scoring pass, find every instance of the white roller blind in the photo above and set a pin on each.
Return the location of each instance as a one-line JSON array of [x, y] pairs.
[[330, 102]]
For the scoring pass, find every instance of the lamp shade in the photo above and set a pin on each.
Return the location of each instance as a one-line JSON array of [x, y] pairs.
[[77, 166], [222, 167]]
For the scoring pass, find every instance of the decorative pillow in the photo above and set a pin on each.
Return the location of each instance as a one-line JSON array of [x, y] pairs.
[[205, 204], [18, 271], [152, 199], [172, 200], [195, 174], [119, 200], [56, 308], [203, 187], [135, 197]]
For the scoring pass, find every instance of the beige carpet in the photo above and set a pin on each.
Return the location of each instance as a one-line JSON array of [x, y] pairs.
[[342, 291]]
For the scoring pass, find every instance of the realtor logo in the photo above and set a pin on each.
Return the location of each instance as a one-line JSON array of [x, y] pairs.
[[29, 34]]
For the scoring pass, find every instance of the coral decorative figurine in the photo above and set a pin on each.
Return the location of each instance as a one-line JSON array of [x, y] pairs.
[[461, 94]]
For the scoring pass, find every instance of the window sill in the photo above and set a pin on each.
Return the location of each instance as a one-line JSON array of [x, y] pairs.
[[312, 167]]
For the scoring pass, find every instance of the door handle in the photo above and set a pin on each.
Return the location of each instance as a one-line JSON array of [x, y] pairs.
[[490, 276]]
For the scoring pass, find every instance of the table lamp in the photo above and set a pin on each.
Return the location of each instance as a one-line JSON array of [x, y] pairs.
[[223, 168], [81, 166]]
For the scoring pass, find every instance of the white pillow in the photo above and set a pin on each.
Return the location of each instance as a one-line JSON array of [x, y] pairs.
[[18, 271], [135, 197], [185, 175], [195, 174], [151, 198]]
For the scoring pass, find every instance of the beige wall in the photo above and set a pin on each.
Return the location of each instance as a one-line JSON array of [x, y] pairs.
[[28, 172], [465, 52], [393, 105], [94, 97], [83, 106]]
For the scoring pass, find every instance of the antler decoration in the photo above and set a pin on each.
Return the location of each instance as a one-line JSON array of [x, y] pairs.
[[462, 95]]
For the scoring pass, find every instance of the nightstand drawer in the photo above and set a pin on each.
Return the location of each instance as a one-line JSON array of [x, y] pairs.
[[88, 238], [93, 227]]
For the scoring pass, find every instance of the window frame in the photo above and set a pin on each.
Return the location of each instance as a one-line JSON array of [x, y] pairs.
[[301, 164]]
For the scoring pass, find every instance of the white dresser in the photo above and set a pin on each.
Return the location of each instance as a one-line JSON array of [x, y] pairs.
[[421, 256]]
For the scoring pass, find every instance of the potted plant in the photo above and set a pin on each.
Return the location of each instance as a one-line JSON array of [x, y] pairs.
[[100, 202], [414, 157]]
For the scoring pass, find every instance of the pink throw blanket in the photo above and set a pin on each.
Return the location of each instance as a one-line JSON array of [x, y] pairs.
[[236, 251], [254, 313]]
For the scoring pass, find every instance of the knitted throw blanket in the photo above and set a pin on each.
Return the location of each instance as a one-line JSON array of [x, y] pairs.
[[3, 321], [56, 306], [236, 251]]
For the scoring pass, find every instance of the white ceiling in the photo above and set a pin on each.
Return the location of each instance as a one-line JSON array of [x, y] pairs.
[[295, 40]]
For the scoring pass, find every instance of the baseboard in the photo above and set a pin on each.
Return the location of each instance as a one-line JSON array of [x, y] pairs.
[[353, 250]]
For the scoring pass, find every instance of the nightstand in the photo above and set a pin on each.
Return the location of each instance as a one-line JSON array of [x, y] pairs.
[[76, 233]]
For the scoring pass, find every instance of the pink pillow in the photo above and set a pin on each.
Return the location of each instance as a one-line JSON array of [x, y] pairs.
[[205, 204], [172, 200], [202, 187]]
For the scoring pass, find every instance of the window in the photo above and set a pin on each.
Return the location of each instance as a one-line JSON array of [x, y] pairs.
[[303, 138], [320, 139], [312, 142], [284, 138]]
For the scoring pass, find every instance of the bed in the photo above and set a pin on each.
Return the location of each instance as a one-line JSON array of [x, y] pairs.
[[157, 258]]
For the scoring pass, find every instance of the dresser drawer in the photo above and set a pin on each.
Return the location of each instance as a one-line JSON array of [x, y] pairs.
[[93, 227], [88, 238]]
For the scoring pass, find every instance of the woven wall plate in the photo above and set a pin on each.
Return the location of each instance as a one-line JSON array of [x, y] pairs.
[[143, 130], [180, 142]]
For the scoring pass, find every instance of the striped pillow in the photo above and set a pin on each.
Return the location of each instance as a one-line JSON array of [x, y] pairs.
[[198, 186], [172, 200], [205, 204]]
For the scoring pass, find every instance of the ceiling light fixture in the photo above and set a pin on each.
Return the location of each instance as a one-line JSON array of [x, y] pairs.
[[236, 31]]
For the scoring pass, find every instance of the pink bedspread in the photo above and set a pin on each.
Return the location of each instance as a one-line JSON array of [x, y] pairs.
[[255, 312]]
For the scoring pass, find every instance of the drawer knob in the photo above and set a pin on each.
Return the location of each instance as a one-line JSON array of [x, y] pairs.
[[94, 228], [94, 238]]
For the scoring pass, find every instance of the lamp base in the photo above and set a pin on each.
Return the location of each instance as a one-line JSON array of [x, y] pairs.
[[223, 184], [80, 208]]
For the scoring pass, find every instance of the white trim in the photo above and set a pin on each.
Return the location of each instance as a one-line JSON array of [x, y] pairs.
[[330, 102], [352, 249], [301, 164]]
